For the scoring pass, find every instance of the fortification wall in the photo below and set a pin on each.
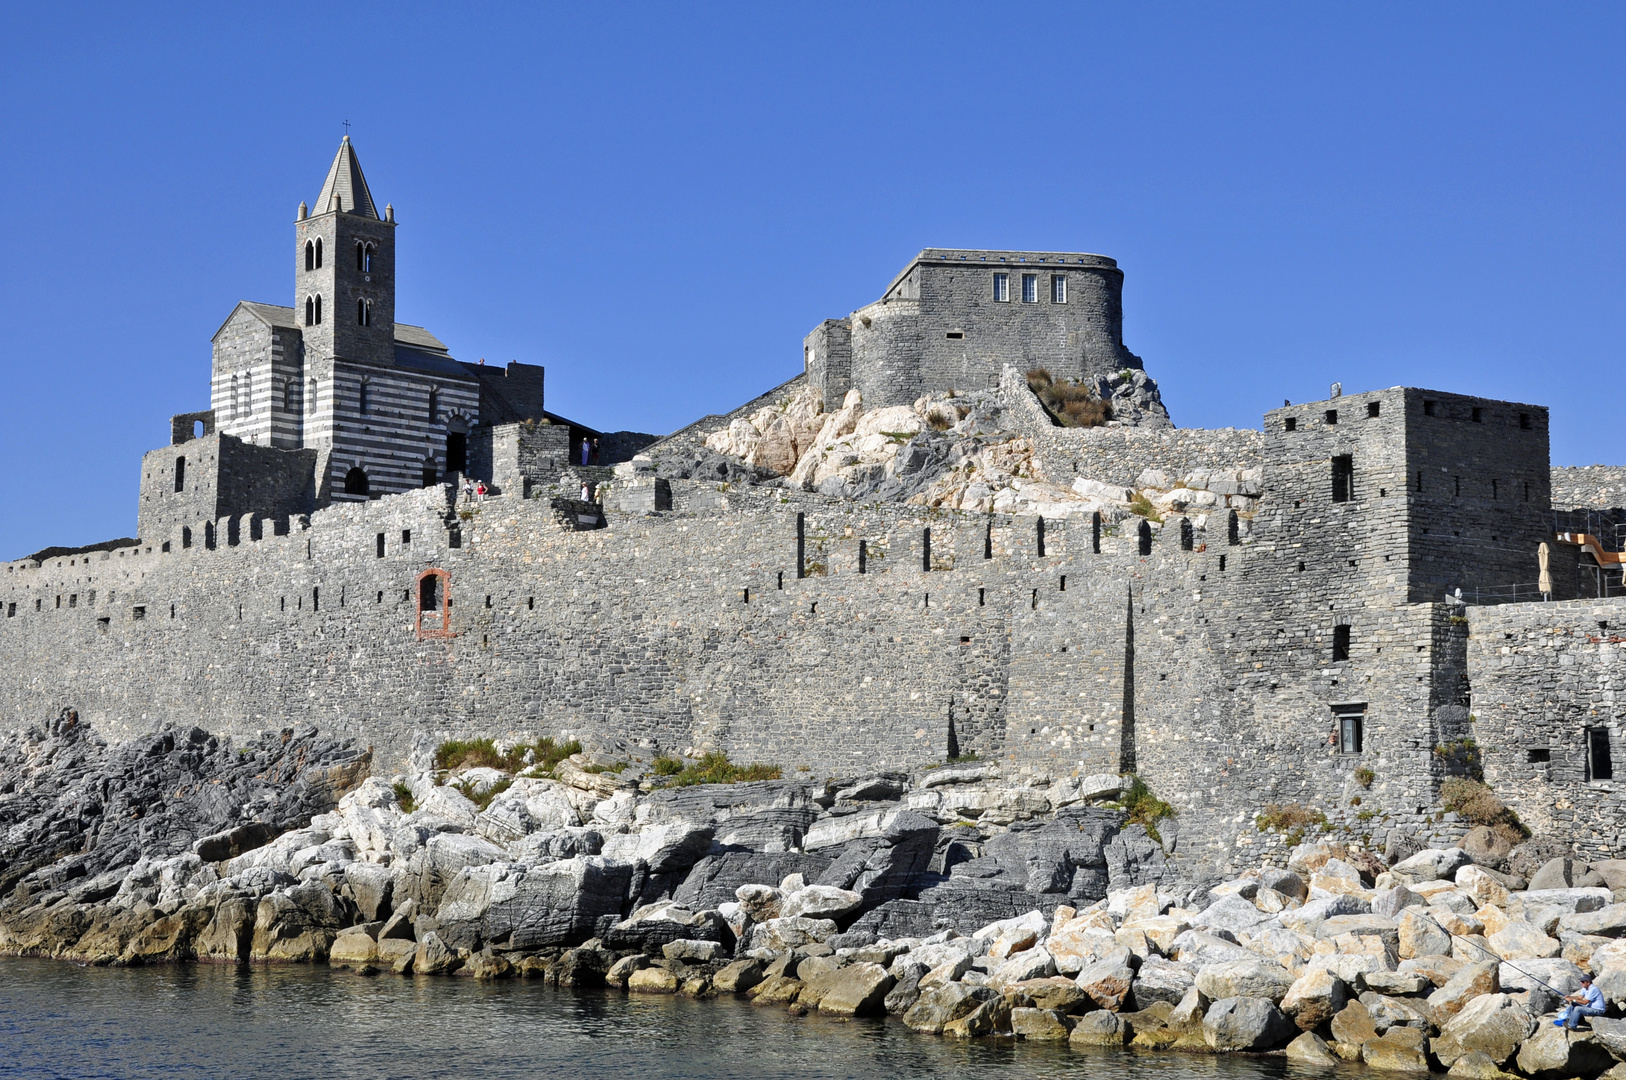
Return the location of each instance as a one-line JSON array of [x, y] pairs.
[[1545, 677], [1592, 487], [1201, 663]]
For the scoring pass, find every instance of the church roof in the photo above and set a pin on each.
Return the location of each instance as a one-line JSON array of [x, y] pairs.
[[344, 180]]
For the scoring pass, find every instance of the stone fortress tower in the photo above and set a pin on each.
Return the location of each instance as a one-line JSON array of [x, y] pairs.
[[330, 399], [953, 318]]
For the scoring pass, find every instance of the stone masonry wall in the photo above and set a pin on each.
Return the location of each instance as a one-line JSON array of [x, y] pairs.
[[1545, 675]]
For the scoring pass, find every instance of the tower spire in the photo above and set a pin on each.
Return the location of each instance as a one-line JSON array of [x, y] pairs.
[[344, 180]]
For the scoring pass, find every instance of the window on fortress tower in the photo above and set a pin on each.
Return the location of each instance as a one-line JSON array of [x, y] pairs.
[[1343, 478], [310, 255], [1351, 719], [1340, 642], [1002, 288], [1058, 288], [180, 474], [318, 310], [1599, 765], [1030, 288]]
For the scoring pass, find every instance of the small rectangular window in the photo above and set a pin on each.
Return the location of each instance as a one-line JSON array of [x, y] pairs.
[[1343, 478], [1058, 288], [1372, 408], [1351, 721], [180, 474], [1340, 643], [1428, 408], [406, 536], [1290, 424], [380, 545], [138, 613], [1002, 288], [1332, 416], [1538, 755], [1524, 421], [11, 611], [1478, 415], [1030, 288], [955, 335], [1599, 765]]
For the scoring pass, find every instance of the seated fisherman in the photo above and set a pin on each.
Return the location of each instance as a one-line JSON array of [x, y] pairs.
[[1589, 1002]]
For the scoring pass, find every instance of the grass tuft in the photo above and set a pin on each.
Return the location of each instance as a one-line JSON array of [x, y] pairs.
[[474, 753], [403, 795], [1069, 403], [1479, 805], [1145, 809], [1293, 819], [484, 798], [713, 769]]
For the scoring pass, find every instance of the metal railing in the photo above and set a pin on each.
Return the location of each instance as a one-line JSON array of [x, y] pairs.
[[1486, 595], [1607, 526]]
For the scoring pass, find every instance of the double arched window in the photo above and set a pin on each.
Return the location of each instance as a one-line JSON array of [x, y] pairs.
[[364, 257], [313, 311], [313, 254], [364, 313]]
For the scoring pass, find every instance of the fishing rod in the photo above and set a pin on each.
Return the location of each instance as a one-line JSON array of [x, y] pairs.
[[1487, 952]]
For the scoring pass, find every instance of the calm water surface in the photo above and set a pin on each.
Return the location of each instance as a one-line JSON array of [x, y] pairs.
[[58, 1020]]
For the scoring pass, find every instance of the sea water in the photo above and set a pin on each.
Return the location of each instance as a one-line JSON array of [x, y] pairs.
[[288, 1023]]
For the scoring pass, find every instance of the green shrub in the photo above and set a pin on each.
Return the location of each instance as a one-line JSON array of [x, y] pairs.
[[713, 769], [1478, 804], [1365, 776], [474, 753], [1070, 403], [484, 798], [1141, 505], [1291, 819], [403, 795], [1145, 809]]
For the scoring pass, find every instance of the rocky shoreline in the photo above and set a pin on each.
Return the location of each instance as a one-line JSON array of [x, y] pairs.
[[960, 903]]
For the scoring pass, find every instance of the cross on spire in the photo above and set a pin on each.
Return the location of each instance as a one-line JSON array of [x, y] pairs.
[[347, 129]]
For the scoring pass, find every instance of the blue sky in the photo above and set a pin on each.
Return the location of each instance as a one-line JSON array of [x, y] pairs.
[[657, 202]]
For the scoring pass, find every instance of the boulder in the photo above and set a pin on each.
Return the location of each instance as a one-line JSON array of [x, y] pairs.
[[1041, 1025], [1484, 845], [1025, 965], [1559, 975], [819, 902], [1158, 979], [1396, 982], [1230, 913], [535, 907], [1518, 940], [1388, 1012], [653, 980], [1492, 1024], [1471, 982], [487, 965], [1477, 1066], [441, 859], [1246, 1023], [855, 990], [1353, 1025], [1310, 1049], [1554, 874], [1365, 925], [1099, 1029], [1390, 902], [776, 990], [229, 934], [692, 951], [1108, 983], [1198, 948], [1285, 882], [941, 1005], [433, 957], [1482, 886], [370, 888], [992, 1017], [1400, 1049], [902, 995], [1610, 1034], [738, 977], [1055, 992], [1420, 934], [1315, 998], [1567, 901], [1244, 979], [1432, 864], [1608, 921], [1553, 1053], [354, 948]]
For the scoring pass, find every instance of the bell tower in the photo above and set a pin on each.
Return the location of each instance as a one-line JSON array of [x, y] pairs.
[[344, 271]]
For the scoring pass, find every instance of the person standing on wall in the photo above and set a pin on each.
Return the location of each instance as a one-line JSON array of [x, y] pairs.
[[595, 452], [468, 490], [585, 449], [480, 492]]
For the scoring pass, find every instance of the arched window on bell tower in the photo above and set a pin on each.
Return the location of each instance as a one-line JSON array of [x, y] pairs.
[[310, 255], [310, 311], [364, 313], [318, 253]]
